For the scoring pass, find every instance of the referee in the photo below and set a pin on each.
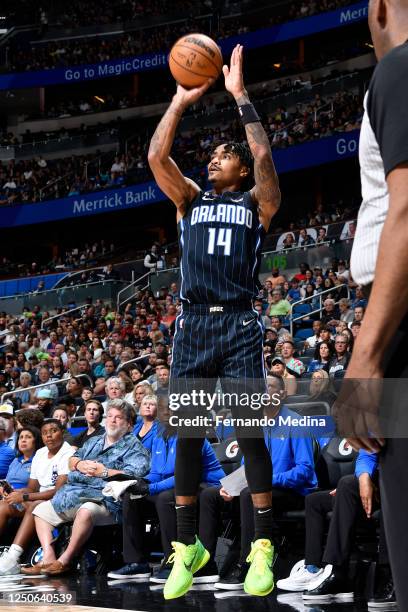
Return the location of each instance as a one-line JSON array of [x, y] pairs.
[[379, 260]]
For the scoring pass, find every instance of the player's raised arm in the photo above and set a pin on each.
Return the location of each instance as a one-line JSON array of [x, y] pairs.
[[180, 189], [266, 191]]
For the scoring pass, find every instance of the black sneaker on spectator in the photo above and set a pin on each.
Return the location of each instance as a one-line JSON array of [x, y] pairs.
[[161, 573], [132, 570], [384, 593], [208, 574], [234, 579], [331, 585]]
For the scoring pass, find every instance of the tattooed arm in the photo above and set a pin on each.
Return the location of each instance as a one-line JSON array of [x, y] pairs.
[[266, 191], [180, 189]]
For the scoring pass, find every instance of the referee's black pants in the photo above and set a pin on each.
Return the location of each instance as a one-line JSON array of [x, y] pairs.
[[348, 512], [394, 465]]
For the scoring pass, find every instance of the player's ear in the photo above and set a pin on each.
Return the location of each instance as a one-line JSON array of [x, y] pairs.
[[245, 171]]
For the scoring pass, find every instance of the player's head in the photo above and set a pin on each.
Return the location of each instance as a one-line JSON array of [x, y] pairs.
[[388, 23], [231, 164]]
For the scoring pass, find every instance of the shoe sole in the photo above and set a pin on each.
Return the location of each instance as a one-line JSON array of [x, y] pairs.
[[373, 605], [122, 577], [206, 579], [259, 593], [157, 580], [222, 586], [205, 559], [293, 588]]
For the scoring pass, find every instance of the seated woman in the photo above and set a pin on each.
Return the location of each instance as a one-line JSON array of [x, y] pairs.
[[157, 489], [146, 427], [48, 473], [324, 351], [93, 416]]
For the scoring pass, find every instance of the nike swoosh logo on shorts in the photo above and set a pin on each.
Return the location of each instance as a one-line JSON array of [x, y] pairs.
[[245, 323]]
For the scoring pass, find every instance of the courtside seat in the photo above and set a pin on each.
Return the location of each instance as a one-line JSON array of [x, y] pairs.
[[335, 461], [228, 454]]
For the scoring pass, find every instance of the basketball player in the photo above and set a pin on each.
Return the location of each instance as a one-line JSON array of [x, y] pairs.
[[379, 262], [218, 333]]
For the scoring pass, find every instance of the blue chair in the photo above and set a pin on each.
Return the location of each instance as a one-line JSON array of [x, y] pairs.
[[304, 333]]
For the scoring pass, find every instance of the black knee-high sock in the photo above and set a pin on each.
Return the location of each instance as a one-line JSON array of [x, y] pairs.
[[186, 523], [263, 518]]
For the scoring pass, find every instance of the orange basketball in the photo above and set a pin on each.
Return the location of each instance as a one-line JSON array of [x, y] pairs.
[[193, 59]]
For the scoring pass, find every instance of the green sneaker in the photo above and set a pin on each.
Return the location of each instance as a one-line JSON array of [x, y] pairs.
[[186, 560], [259, 579]]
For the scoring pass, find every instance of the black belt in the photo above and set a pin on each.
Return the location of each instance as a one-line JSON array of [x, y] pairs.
[[214, 309]]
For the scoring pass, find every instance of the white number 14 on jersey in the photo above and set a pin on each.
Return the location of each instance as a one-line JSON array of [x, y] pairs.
[[220, 237]]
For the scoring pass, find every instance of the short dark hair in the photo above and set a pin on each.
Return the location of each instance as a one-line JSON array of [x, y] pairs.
[[53, 422], [242, 151], [356, 324], [30, 417]]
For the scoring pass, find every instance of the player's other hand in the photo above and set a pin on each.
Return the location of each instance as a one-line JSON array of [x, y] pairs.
[[186, 97], [234, 79]]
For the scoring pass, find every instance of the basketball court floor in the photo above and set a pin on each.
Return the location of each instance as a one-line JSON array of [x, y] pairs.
[[97, 594]]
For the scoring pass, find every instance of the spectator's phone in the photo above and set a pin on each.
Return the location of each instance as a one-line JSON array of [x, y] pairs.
[[7, 488]]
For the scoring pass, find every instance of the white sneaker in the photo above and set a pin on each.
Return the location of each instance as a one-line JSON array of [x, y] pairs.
[[299, 578], [8, 565]]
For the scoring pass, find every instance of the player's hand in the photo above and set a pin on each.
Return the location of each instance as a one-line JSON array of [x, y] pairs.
[[234, 79], [366, 487], [186, 97]]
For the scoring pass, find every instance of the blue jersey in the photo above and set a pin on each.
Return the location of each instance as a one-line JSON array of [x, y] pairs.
[[220, 243]]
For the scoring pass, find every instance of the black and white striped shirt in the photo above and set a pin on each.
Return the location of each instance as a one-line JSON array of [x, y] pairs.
[[383, 146]]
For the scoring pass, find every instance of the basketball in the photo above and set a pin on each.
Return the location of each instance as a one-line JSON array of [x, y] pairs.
[[193, 59]]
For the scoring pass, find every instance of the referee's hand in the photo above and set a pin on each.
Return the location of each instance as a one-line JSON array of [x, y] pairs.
[[356, 409]]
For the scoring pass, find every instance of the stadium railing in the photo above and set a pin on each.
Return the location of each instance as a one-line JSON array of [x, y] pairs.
[[308, 299], [58, 298], [47, 384], [128, 292]]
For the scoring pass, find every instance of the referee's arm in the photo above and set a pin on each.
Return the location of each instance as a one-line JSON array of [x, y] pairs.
[[387, 111]]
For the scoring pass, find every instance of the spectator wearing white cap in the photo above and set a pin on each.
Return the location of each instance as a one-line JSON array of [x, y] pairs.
[[6, 453], [7, 414]]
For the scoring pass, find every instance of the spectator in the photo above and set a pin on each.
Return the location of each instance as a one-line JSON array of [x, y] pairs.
[[323, 355], [311, 341], [48, 473], [359, 312], [6, 453], [117, 452], [60, 413], [29, 417], [153, 260], [7, 413], [341, 358], [18, 474], [23, 397], [279, 307], [93, 415], [276, 279], [277, 324], [43, 378], [305, 239], [330, 313], [320, 389], [278, 368], [355, 328], [115, 388], [294, 292], [146, 427]]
